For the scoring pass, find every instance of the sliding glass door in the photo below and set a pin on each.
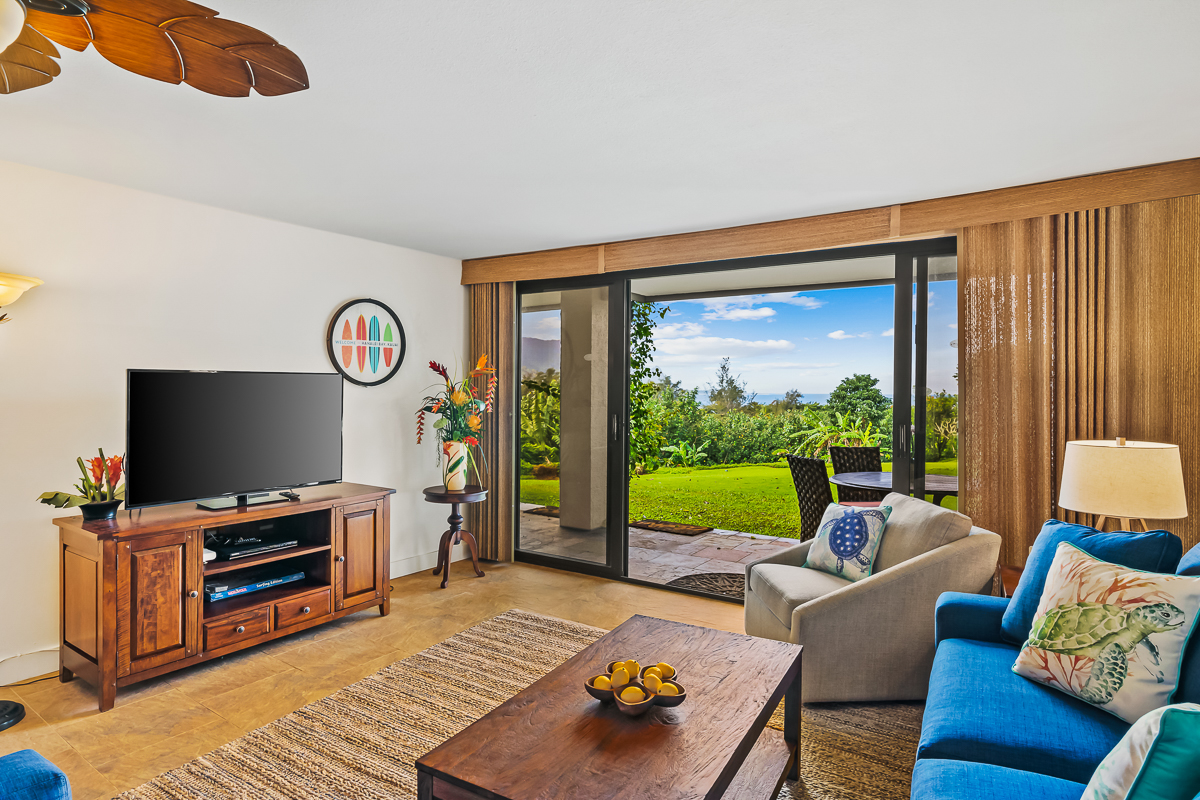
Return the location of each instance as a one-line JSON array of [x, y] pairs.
[[572, 411]]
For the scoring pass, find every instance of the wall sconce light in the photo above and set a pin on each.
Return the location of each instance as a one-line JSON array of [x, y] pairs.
[[12, 287]]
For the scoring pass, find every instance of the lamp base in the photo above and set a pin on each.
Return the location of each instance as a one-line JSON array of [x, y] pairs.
[[1125, 522], [10, 714]]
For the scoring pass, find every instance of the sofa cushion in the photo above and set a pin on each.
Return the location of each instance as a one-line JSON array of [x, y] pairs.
[[1190, 563], [848, 540], [1110, 635], [916, 527], [1157, 759], [978, 710], [1156, 551], [782, 588], [28, 775], [939, 779]]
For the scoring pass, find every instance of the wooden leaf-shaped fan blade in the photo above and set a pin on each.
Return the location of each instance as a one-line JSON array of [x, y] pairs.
[[71, 32], [28, 62], [180, 41]]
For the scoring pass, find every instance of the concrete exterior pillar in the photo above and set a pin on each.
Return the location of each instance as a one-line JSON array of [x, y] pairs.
[[583, 421]]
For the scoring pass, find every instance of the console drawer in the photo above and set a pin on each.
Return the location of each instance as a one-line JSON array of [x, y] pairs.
[[311, 606], [236, 629]]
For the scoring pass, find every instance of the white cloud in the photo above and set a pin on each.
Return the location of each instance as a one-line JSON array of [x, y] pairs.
[[889, 332], [747, 307], [792, 365], [738, 314], [953, 325], [841, 335], [697, 349], [676, 330], [548, 325]]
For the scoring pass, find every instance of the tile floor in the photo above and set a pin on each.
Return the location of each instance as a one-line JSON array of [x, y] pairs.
[[163, 723], [653, 555]]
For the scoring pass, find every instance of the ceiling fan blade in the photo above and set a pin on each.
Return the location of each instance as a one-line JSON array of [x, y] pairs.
[[155, 12], [35, 41], [136, 46], [73, 33], [24, 67], [277, 70]]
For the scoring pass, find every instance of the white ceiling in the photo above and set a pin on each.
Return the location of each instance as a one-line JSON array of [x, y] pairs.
[[470, 128]]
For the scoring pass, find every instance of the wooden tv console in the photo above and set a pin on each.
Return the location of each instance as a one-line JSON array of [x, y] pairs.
[[132, 596]]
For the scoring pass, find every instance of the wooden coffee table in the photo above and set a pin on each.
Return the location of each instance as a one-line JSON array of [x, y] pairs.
[[554, 741]]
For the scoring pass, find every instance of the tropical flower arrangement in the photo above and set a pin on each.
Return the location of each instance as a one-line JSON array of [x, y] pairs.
[[460, 413], [101, 483]]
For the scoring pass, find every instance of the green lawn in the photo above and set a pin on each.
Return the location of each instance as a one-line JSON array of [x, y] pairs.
[[754, 499]]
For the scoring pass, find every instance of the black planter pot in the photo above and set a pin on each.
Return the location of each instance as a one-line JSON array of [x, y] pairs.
[[106, 509]]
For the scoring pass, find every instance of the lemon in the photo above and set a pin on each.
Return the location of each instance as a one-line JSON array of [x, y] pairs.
[[653, 682], [666, 669], [633, 695], [669, 690], [633, 667], [602, 682], [655, 671], [620, 677]]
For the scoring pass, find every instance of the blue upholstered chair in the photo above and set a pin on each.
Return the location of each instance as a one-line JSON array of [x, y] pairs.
[[28, 775]]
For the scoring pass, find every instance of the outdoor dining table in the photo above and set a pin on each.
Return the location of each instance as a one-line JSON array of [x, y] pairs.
[[940, 486]]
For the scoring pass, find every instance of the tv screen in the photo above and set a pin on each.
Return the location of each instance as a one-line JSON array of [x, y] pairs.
[[196, 435]]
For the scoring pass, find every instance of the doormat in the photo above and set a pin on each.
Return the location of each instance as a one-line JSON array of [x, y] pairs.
[[731, 584], [543, 511], [669, 527]]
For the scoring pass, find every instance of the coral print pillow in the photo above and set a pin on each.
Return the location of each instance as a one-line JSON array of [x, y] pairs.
[[847, 541], [1110, 635]]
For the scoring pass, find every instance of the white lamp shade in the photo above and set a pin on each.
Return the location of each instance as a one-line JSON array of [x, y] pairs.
[[12, 22], [1137, 480], [13, 286]]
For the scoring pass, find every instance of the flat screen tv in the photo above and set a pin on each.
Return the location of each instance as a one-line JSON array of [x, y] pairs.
[[201, 435]]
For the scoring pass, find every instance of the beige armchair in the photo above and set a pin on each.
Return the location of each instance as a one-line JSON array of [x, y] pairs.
[[872, 639]]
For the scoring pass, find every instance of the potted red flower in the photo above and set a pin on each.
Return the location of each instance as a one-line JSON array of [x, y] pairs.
[[99, 493], [460, 422]]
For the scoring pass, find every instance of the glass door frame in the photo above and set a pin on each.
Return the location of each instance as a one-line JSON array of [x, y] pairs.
[[617, 530], [911, 272]]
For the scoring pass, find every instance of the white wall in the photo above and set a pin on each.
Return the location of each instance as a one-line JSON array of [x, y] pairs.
[[140, 280]]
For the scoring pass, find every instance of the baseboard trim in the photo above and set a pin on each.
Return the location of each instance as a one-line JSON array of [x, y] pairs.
[[28, 665], [425, 561]]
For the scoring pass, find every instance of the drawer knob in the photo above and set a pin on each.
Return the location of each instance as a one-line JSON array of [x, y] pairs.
[[193, 593], [241, 629], [340, 559], [305, 610]]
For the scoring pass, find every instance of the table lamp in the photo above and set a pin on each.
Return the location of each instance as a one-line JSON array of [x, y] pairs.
[[1123, 480]]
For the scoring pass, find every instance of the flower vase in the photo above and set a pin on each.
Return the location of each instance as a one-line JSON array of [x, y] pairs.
[[99, 510], [454, 468]]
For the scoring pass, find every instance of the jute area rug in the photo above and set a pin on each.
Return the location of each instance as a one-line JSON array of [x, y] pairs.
[[361, 742]]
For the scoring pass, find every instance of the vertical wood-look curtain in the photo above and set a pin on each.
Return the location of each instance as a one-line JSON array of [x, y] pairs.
[[1075, 326], [492, 326]]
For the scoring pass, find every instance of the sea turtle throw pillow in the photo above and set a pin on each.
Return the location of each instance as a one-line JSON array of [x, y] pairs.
[[1109, 635], [847, 541]]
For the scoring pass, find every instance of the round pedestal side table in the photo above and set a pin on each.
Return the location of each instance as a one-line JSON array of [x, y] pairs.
[[456, 534]]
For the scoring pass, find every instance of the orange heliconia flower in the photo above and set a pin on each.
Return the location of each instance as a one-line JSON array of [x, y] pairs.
[[96, 466], [114, 466]]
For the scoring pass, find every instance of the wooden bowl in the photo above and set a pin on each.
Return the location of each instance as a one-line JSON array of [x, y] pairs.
[[670, 701], [603, 695], [642, 674], [635, 709]]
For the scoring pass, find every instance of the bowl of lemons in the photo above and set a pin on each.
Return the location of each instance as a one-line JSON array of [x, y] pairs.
[[636, 689]]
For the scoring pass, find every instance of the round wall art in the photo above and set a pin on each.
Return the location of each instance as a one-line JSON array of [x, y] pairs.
[[366, 342]]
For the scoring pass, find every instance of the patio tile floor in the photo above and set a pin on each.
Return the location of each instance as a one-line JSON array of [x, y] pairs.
[[653, 555]]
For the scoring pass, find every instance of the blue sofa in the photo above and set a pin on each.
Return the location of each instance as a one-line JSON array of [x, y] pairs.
[[28, 775], [990, 734]]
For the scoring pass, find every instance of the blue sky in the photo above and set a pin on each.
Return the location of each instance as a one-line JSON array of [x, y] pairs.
[[797, 340]]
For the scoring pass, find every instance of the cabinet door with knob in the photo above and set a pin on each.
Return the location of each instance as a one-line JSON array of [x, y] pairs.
[[158, 600], [360, 552]]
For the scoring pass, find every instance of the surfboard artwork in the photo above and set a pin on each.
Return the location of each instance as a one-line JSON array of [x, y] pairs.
[[374, 351], [360, 333], [366, 342], [347, 350]]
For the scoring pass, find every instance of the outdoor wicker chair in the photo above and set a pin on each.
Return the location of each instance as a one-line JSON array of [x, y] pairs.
[[856, 459], [812, 491]]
